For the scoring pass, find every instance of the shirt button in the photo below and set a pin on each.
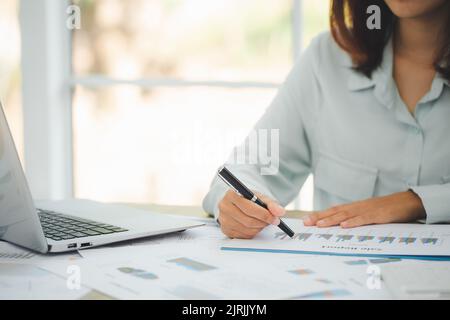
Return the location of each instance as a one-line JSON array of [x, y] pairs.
[[416, 130]]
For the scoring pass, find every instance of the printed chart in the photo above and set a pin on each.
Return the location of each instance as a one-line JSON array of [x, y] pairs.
[[139, 273], [191, 264], [390, 240], [9, 252]]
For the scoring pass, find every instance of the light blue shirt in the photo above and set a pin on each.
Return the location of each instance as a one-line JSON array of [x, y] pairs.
[[354, 134]]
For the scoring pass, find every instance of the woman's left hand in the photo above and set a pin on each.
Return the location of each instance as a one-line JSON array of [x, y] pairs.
[[397, 207]]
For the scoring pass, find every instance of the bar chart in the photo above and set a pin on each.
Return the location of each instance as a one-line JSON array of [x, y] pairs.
[[389, 239], [139, 273], [401, 240], [191, 264]]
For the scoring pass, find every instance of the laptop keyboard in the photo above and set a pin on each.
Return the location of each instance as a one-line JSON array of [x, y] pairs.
[[59, 226]]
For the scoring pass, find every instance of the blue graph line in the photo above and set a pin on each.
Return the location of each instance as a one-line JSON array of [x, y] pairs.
[[430, 258]]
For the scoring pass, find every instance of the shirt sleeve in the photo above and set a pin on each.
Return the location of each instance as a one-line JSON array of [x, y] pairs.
[[436, 200], [291, 113]]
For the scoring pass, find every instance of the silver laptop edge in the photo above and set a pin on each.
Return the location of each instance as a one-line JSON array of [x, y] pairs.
[[20, 223]]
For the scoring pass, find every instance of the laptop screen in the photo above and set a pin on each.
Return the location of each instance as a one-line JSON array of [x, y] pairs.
[[19, 222]]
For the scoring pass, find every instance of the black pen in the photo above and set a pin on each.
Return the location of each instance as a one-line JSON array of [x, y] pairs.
[[242, 190]]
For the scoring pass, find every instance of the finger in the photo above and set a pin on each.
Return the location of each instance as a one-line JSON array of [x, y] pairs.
[[355, 222], [236, 234], [335, 219], [254, 210], [237, 214], [274, 207], [311, 219], [228, 222], [232, 234]]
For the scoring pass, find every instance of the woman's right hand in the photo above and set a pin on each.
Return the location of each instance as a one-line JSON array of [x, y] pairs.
[[243, 219]]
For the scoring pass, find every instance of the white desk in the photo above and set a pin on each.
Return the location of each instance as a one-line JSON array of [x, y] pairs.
[[287, 264]]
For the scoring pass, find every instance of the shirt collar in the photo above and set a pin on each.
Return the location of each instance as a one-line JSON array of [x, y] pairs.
[[436, 89], [358, 81], [383, 81]]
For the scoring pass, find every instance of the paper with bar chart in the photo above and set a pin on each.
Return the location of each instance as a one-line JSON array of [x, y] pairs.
[[172, 271], [413, 240], [10, 252], [195, 268]]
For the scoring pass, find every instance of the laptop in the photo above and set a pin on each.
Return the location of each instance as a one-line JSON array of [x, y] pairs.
[[60, 226]]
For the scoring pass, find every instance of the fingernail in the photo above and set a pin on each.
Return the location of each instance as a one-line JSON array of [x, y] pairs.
[[307, 220], [276, 221], [320, 223]]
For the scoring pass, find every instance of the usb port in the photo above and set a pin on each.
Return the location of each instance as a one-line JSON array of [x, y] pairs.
[[86, 244], [72, 245]]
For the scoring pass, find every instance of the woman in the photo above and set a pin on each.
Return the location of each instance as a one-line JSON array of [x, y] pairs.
[[367, 112]]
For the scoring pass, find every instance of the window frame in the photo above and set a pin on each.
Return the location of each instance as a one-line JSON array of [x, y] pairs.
[[46, 98]]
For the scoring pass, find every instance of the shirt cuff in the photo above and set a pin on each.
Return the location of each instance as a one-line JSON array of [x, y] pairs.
[[435, 199]]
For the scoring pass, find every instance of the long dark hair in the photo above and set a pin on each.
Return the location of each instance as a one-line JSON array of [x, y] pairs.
[[365, 46]]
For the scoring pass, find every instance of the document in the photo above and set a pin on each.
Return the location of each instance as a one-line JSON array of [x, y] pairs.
[[389, 240], [209, 235], [191, 271], [418, 280], [11, 253], [25, 281]]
